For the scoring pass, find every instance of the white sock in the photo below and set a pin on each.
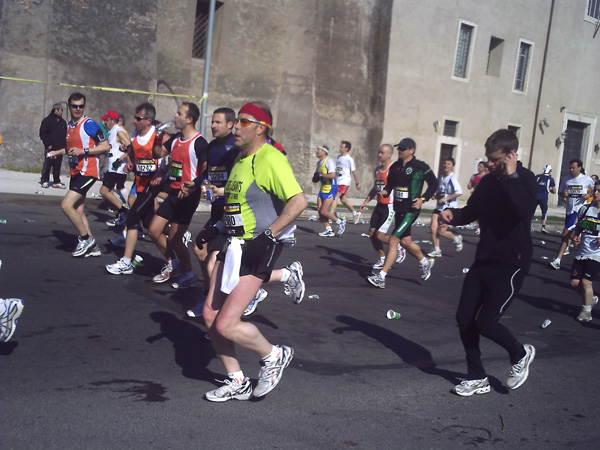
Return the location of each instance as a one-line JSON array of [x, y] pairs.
[[423, 261], [587, 308], [127, 260], [286, 275], [238, 377], [382, 274], [437, 249], [273, 356], [557, 260]]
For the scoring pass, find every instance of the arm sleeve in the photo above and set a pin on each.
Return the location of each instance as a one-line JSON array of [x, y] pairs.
[[94, 131], [521, 191], [44, 133], [432, 184]]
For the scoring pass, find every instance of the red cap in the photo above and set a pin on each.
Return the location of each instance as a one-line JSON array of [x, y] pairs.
[[110, 114]]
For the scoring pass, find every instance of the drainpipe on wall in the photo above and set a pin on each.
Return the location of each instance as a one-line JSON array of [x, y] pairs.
[[539, 98], [204, 106]]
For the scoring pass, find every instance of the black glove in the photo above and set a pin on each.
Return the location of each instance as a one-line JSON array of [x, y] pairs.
[[316, 177], [116, 164], [207, 234]]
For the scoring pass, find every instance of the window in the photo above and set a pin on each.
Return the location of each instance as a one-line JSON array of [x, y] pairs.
[[523, 58], [450, 128], [463, 47], [495, 56], [593, 9], [201, 27]]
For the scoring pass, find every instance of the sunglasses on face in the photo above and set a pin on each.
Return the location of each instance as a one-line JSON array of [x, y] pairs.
[[77, 106], [247, 122], [139, 118]]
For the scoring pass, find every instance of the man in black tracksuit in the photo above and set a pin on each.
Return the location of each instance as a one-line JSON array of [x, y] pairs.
[[504, 203], [53, 133]]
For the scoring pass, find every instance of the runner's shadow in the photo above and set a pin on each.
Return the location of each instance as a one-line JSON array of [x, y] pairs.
[[410, 352], [549, 304], [193, 352], [68, 241]]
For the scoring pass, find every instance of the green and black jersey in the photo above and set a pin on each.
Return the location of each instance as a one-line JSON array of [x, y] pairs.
[[405, 183], [256, 192]]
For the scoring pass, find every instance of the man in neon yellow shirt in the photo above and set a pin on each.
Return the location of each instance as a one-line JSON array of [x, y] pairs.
[[262, 200]]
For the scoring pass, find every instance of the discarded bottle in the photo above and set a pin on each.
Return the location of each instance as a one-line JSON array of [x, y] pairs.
[[546, 323], [466, 270], [391, 314], [543, 242], [136, 261], [207, 190], [3, 221], [160, 130], [37, 191], [315, 296], [28, 220]]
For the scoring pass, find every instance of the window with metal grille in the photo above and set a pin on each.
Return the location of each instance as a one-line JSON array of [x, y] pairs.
[[450, 128], [593, 9], [522, 66], [201, 27], [463, 46]]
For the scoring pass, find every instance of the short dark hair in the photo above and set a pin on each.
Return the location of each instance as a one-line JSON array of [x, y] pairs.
[[347, 144], [192, 112], [227, 112], [578, 161], [597, 183], [148, 108], [122, 119], [503, 139], [451, 159], [76, 96]]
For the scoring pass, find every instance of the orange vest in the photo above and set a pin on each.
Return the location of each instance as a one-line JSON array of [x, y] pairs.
[[77, 137], [380, 182], [184, 163], [145, 165]]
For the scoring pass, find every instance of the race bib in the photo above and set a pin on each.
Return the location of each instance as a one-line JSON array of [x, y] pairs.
[[400, 193], [145, 167], [575, 191], [590, 226], [379, 185], [339, 171], [232, 218], [217, 175], [176, 171]]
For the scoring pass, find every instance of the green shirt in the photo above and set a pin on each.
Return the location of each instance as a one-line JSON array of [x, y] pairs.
[[256, 192]]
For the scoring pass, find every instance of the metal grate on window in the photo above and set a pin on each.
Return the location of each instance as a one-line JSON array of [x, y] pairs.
[[522, 63], [593, 9], [450, 128], [200, 30], [462, 50]]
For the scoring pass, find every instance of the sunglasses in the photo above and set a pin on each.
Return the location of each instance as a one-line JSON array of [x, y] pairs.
[[76, 106], [139, 118], [246, 122]]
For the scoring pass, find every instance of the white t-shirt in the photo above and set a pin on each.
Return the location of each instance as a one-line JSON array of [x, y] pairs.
[[588, 218], [344, 168], [576, 188], [115, 152], [447, 186]]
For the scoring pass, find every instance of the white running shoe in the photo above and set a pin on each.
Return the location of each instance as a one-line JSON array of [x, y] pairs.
[[327, 233], [120, 268], [426, 269], [231, 390], [459, 243], [165, 274], [259, 297], [12, 310], [435, 254], [187, 238], [469, 387], [567, 251], [83, 245], [356, 217], [378, 265], [520, 371], [555, 265], [377, 281], [401, 255], [341, 226], [94, 251], [294, 287], [270, 374]]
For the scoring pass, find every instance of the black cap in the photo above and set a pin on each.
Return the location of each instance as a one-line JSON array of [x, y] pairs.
[[405, 144]]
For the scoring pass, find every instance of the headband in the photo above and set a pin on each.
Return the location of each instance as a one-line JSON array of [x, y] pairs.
[[257, 113]]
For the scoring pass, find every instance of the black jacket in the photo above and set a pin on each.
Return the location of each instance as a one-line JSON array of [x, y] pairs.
[[53, 132], [504, 207], [405, 183]]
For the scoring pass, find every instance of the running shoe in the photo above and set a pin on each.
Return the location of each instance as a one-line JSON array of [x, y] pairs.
[[120, 268], [185, 281], [259, 297], [118, 241], [377, 281], [520, 371], [231, 390], [435, 254], [584, 316], [270, 374], [426, 269], [356, 216], [469, 387], [187, 238], [13, 308], [111, 222], [327, 233], [94, 251], [165, 274], [45, 184], [378, 265], [341, 226], [294, 287], [555, 265], [401, 255], [567, 251], [196, 311], [122, 218], [83, 245], [459, 243], [545, 231], [59, 186]]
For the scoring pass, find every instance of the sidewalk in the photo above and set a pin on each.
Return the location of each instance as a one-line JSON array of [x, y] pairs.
[[14, 182]]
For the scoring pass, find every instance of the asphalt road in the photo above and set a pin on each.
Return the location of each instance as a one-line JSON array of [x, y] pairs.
[[101, 361]]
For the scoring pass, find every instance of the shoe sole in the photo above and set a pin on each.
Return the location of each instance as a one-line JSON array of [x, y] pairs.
[[12, 318], [285, 364], [376, 284], [526, 370], [241, 397], [433, 256], [477, 391], [125, 272]]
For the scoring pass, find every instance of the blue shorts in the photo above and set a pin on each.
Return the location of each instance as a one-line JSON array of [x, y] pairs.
[[327, 195], [571, 221]]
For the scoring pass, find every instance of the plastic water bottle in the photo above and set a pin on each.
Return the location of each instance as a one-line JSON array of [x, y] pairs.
[[160, 130], [207, 190], [37, 191]]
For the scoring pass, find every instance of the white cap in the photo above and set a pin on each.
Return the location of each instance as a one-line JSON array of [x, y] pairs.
[[547, 168]]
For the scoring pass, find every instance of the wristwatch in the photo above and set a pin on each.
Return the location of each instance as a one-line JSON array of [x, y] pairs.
[[87, 151], [269, 234]]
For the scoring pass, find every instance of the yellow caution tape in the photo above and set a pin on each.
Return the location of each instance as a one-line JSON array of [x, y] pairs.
[[108, 89]]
